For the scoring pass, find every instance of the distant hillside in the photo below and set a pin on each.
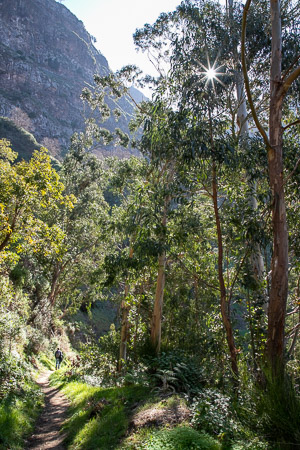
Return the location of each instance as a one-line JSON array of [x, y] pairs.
[[22, 142], [94, 323], [46, 58]]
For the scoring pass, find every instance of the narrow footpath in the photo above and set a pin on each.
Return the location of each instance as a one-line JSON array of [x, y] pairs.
[[47, 432]]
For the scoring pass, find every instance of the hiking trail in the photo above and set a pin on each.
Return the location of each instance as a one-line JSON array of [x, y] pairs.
[[47, 433]]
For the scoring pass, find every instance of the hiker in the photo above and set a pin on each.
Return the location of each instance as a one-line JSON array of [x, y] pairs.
[[59, 357]]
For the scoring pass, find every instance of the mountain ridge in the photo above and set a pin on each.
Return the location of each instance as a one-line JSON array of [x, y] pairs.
[[47, 58]]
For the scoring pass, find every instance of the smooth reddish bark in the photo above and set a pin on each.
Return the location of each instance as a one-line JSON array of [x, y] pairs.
[[279, 267]]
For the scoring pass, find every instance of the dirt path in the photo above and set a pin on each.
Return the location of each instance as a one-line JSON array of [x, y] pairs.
[[47, 433]]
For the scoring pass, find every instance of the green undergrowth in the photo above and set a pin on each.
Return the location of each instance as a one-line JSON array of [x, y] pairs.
[[98, 417], [176, 438], [47, 362], [18, 412], [101, 418]]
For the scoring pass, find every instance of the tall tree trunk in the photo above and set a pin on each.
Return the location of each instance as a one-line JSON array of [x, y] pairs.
[[279, 267], [256, 259], [158, 304], [135, 337], [54, 285], [124, 329], [224, 302], [125, 308], [242, 120], [257, 262], [225, 307], [159, 292]]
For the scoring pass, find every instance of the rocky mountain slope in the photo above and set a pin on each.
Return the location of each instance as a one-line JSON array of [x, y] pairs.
[[46, 58]]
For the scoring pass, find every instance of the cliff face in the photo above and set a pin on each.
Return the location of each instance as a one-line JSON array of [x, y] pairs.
[[46, 59]]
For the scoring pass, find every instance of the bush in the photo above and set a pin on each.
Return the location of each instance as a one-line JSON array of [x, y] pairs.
[[18, 412], [20, 401], [212, 413], [180, 372], [180, 438], [100, 359], [14, 373], [46, 361], [37, 342], [278, 410]]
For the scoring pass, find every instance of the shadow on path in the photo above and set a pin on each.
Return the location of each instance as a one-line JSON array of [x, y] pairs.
[[47, 432]]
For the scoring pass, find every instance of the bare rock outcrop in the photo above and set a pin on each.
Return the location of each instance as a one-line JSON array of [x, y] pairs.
[[46, 58]]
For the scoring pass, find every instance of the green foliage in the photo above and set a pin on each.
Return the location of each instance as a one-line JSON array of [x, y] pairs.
[[177, 371], [14, 334], [212, 412], [99, 417], [17, 418], [278, 410], [12, 370], [179, 438], [100, 359], [20, 401], [13, 314]]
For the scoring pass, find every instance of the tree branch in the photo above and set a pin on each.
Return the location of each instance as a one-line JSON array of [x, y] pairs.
[[292, 347], [292, 172], [288, 82], [192, 272], [293, 312], [295, 328], [291, 124], [290, 67], [246, 79]]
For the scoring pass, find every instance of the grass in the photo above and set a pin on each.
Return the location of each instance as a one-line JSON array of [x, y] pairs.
[[18, 413], [100, 418], [47, 362]]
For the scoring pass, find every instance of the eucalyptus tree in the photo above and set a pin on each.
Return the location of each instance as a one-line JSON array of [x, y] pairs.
[[195, 41], [161, 186], [280, 83], [127, 185], [192, 38], [242, 120], [145, 207], [159, 145]]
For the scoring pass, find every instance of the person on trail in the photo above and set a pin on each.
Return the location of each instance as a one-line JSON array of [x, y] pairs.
[[58, 357]]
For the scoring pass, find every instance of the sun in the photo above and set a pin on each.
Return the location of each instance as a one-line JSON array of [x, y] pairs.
[[211, 73]]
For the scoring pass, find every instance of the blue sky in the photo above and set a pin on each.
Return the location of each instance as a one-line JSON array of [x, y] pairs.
[[113, 22]]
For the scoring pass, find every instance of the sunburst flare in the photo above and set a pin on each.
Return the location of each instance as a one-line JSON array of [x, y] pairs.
[[211, 74]]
